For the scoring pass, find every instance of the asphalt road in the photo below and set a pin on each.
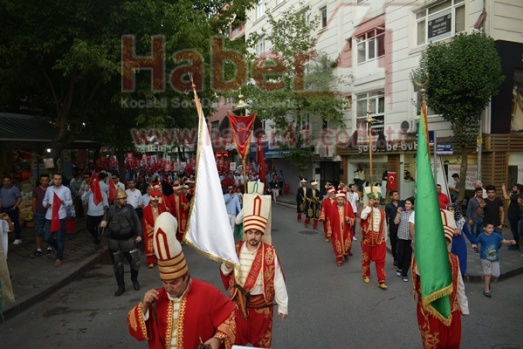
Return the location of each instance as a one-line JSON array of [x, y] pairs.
[[330, 307]]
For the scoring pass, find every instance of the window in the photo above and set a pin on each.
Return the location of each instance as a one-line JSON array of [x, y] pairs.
[[440, 21], [260, 9], [371, 45], [323, 11], [375, 103], [215, 127], [260, 46]]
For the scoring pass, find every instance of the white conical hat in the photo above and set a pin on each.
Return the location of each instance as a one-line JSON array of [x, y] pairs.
[[255, 187], [375, 194], [168, 251], [257, 214]]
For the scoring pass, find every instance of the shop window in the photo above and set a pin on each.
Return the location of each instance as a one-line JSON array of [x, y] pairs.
[[371, 45], [440, 21]]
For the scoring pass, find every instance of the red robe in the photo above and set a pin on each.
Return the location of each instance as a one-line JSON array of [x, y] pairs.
[[341, 230], [149, 217], [180, 209], [373, 247], [204, 313], [326, 207], [257, 328], [434, 333]]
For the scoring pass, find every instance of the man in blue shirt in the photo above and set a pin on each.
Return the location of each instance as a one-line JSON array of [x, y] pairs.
[[10, 199], [232, 203]]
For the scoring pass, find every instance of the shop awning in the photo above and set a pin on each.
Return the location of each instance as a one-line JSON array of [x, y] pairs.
[[31, 129]]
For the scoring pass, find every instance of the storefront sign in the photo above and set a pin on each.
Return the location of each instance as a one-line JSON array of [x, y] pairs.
[[472, 175], [403, 146]]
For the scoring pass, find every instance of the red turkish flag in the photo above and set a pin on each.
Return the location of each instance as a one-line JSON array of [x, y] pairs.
[[112, 191], [55, 217], [392, 183], [94, 184]]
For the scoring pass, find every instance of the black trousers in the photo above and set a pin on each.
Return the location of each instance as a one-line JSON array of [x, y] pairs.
[[404, 256], [393, 234]]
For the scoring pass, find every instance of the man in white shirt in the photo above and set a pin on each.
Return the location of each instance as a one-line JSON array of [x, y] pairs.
[[56, 211], [116, 180], [135, 198]]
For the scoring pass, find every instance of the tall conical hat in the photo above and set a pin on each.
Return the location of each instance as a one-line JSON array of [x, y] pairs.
[[255, 187], [168, 251], [257, 214]]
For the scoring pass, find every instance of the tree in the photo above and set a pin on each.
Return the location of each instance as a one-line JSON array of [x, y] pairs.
[[62, 60], [463, 76], [299, 86]]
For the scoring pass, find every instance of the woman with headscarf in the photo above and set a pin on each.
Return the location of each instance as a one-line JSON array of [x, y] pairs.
[[459, 246]]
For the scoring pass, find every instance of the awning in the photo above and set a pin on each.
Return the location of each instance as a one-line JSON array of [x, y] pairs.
[[276, 154], [29, 130]]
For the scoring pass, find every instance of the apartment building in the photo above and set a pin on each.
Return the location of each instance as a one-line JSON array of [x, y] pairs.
[[377, 43]]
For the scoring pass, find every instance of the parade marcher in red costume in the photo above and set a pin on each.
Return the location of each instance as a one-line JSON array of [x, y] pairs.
[[150, 213], [436, 333], [185, 312], [342, 220], [259, 281], [180, 210], [326, 207], [373, 243]]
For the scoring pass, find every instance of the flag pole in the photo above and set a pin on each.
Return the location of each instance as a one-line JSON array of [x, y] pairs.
[[370, 121]]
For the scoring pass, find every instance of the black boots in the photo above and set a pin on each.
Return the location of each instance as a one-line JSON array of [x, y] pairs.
[[134, 279], [120, 291]]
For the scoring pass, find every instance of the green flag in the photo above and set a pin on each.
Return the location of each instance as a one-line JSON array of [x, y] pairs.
[[430, 247]]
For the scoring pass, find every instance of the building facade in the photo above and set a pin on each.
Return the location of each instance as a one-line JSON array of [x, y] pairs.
[[378, 44]]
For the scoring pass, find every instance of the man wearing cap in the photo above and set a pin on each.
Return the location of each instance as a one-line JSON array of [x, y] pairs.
[[179, 209], [186, 312], [436, 332], [326, 207], [150, 213], [125, 231], [232, 204], [313, 205], [373, 243], [301, 196], [342, 220], [259, 281]]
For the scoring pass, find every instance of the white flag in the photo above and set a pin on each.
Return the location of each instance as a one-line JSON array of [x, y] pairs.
[[209, 229]]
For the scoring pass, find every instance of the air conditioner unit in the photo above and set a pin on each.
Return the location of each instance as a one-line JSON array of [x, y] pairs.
[[409, 126]]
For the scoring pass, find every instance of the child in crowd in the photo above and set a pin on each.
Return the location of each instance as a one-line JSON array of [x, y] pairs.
[[489, 247]]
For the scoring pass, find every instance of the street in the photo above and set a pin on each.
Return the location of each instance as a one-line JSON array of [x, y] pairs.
[[329, 306]]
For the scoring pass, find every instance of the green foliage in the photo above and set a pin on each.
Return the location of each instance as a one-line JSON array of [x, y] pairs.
[[62, 60], [311, 96], [463, 76]]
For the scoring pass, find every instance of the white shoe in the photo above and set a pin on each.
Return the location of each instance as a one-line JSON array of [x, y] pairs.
[[354, 238], [17, 242]]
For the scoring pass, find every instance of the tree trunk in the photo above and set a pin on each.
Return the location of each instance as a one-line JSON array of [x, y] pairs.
[[462, 176]]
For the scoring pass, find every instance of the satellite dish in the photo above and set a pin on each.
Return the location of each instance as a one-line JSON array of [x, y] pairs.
[[405, 126]]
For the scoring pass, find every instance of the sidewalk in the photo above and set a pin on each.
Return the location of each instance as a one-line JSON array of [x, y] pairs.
[[34, 279], [511, 262]]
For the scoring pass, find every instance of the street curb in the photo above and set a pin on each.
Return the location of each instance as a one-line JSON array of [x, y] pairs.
[[28, 301]]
